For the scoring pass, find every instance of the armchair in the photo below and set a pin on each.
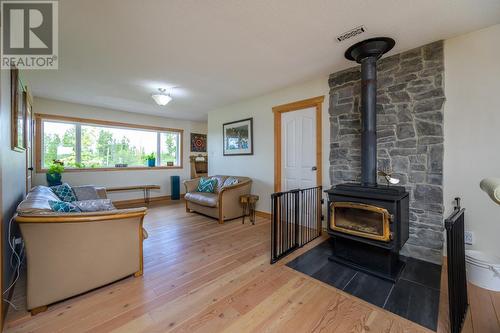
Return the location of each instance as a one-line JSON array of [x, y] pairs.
[[224, 204], [71, 253]]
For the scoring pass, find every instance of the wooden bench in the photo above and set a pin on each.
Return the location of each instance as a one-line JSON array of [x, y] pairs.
[[145, 188]]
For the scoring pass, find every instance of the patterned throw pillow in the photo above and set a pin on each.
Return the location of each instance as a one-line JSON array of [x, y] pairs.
[[63, 207], [231, 181], [64, 192], [207, 185], [86, 192], [96, 205]]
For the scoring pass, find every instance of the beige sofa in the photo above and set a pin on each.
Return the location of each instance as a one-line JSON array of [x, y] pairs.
[[224, 204], [71, 253]]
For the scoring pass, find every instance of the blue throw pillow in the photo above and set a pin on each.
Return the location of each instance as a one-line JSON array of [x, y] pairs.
[[207, 185], [63, 207], [64, 192]]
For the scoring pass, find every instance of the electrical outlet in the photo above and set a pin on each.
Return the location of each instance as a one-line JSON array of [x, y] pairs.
[[469, 237], [15, 241]]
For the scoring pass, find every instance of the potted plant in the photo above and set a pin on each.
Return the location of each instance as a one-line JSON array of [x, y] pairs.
[[151, 158], [54, 173]]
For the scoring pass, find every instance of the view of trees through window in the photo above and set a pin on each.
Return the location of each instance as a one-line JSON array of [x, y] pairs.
[[94, 146]]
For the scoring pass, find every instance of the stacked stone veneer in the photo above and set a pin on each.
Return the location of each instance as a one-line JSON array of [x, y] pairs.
[[410, 100]]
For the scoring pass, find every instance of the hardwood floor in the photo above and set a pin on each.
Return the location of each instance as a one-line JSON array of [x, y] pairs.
[[204, 277]]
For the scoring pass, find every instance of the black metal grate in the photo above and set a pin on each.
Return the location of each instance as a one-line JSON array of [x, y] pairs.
[[457, 279], [296, 220]]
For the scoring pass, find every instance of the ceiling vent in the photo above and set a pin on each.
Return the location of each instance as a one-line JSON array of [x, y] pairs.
[[351, 33]]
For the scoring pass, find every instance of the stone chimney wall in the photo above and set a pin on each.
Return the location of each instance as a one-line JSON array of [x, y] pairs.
[[410, 100]]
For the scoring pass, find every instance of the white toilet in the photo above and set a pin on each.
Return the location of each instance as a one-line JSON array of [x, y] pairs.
[[483, 270]]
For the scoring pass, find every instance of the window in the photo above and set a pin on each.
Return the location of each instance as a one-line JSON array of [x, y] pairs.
[[59, 143], [91, 144]]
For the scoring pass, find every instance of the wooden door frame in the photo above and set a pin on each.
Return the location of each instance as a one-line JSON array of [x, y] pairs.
[[315, 102], [30, 142]]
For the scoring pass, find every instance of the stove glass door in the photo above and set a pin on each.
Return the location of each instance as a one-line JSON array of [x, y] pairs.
[[361, 220]]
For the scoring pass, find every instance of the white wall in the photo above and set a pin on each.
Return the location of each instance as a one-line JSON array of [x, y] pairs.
[[121, 178], [472, 130], [260, 165], [12, 174]]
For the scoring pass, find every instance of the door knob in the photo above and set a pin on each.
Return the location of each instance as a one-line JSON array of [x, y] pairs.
[[30, 168], [314, 168]]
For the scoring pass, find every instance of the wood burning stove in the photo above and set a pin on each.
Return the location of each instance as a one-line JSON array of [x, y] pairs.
[[370, 225], [369, 222], [377, 216]]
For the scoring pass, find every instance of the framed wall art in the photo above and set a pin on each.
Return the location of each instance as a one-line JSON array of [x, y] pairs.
[[198, 143], [238, 137], [18, 112]]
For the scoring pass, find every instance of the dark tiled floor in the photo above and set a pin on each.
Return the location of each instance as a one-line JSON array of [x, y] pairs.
[[369, 288], [415, 302], [415, 296], [340, 280]]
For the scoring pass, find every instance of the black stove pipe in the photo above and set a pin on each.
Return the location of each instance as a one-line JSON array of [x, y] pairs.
[[369, 121], [367, 53]]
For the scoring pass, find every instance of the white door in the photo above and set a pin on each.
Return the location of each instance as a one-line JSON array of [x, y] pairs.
[[298, 149]]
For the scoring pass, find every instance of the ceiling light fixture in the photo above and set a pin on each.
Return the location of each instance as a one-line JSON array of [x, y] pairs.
[[161, 98]]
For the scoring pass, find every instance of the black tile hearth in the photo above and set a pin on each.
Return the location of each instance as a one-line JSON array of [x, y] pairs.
[[415, 302], [422, 272], [369, 288], [313, 260], [414, 296], [339, 280]]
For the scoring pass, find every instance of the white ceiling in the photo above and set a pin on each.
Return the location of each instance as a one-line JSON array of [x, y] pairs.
[[115, 53]]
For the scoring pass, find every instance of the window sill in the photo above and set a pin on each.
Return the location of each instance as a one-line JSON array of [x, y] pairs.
[[115, 169]]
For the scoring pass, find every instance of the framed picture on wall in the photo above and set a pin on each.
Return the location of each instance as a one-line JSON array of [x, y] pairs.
[[198, 143], [238, 137], [18, 112]]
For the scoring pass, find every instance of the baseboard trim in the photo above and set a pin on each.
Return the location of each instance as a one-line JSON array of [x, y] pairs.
[[263, 214], [157, 199]]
